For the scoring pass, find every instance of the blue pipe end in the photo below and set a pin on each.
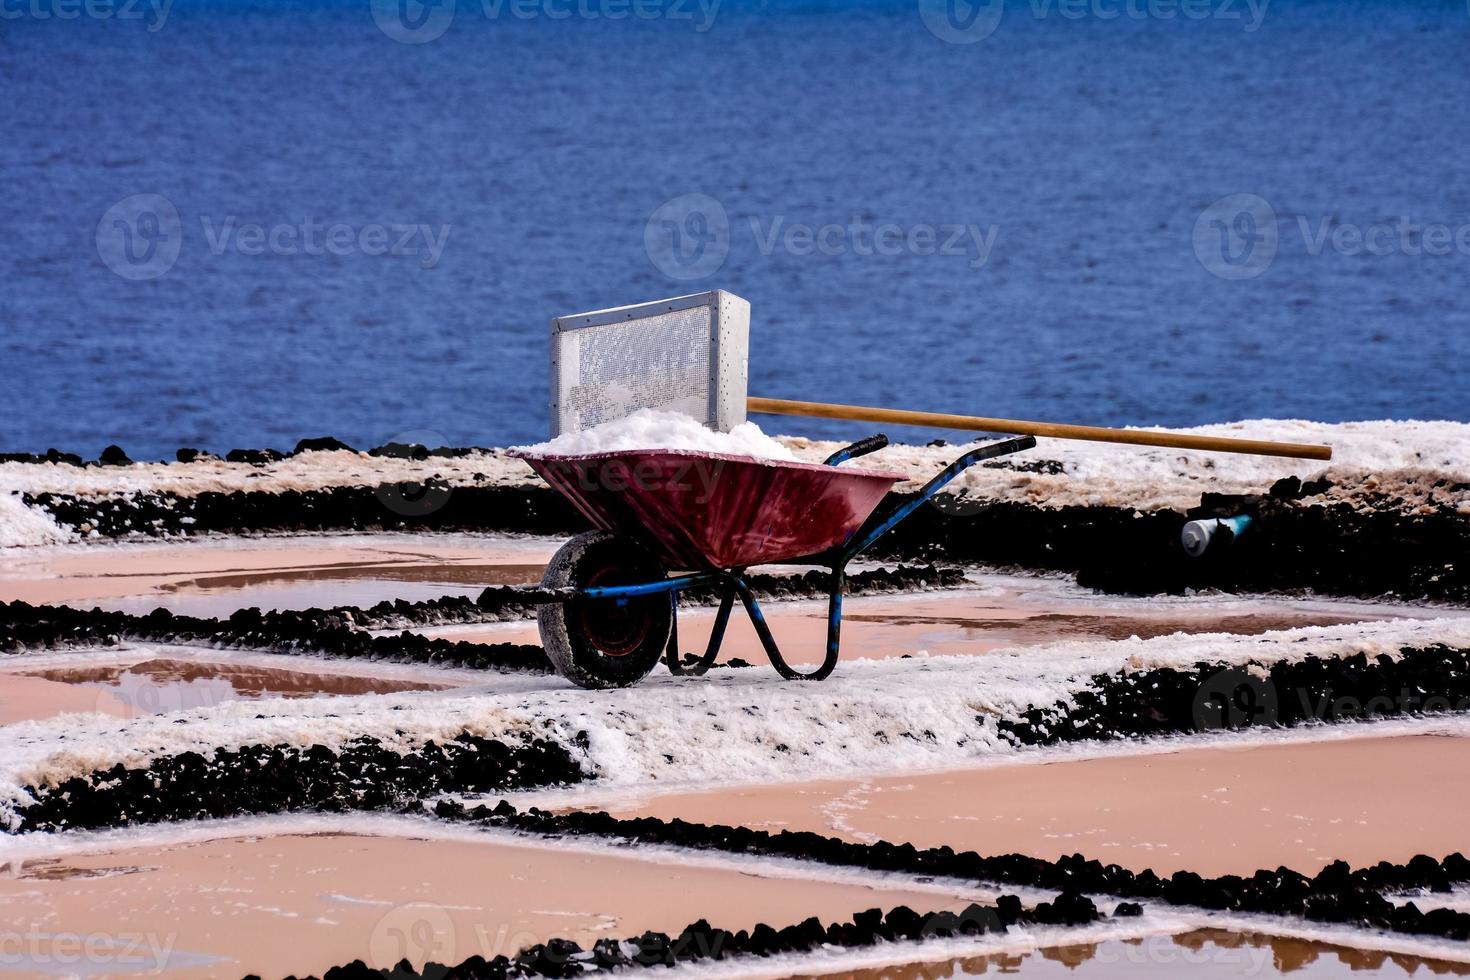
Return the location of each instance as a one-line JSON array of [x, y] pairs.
[[1197, 535]]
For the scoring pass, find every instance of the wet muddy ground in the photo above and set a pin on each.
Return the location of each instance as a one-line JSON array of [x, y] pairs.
[[300, 903], [215, 576], [329, 897], [1217, 810], [161, 681], [1198, 953], [1001, 612]]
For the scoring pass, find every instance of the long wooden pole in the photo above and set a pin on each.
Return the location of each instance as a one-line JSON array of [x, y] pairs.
[[1053, 430]]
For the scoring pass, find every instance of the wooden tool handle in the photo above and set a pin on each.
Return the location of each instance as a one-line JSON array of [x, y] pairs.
[[1053, 430]]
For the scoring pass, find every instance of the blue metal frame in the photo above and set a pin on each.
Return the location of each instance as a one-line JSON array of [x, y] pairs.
[[931, 488], [673, 584], [860, 448], [732, 582]]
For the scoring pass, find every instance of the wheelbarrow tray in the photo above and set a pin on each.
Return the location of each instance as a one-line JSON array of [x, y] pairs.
[[700, 511]]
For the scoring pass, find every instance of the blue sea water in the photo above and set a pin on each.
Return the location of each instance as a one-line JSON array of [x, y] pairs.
[[1078, 210]]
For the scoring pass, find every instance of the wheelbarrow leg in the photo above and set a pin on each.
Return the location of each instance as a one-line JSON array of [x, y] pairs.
[[834, 631], [716, 638]]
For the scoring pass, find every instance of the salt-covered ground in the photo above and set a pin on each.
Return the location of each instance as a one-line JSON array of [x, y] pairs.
[[735, 725], [889, 747], [1402, 465], [997, 612]]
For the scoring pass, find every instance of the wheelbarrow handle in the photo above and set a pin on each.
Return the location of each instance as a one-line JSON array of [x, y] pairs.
[[860, 448], [980, 454]]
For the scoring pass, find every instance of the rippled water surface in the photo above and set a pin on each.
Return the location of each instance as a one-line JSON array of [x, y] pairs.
[[1023, 225]]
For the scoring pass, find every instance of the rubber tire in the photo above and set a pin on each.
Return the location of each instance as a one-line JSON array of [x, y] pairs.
[[574, 654]]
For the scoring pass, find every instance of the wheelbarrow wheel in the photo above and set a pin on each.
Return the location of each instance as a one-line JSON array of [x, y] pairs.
[[602, 643]]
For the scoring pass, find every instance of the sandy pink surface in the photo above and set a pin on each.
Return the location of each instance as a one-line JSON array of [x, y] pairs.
[[969, 622], [34, 698], [150, 684], [298, 904], [1209, 810], [77, 575]]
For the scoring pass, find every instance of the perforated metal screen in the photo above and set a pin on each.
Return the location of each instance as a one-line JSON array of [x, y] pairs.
[[686, 354]]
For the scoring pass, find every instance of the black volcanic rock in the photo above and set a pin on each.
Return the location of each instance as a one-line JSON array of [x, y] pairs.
[[50, 456], [321, 444], [114, 456], [1333, 549], [339, 632], [361, 775], [400, 450], [1208, 697], [255, 457], [1338, 894]]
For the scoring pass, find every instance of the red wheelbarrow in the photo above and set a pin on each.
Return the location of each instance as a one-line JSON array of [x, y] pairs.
[[608, 602]]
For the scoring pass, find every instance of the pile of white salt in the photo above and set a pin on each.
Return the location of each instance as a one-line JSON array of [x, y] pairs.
[[653, 429]]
